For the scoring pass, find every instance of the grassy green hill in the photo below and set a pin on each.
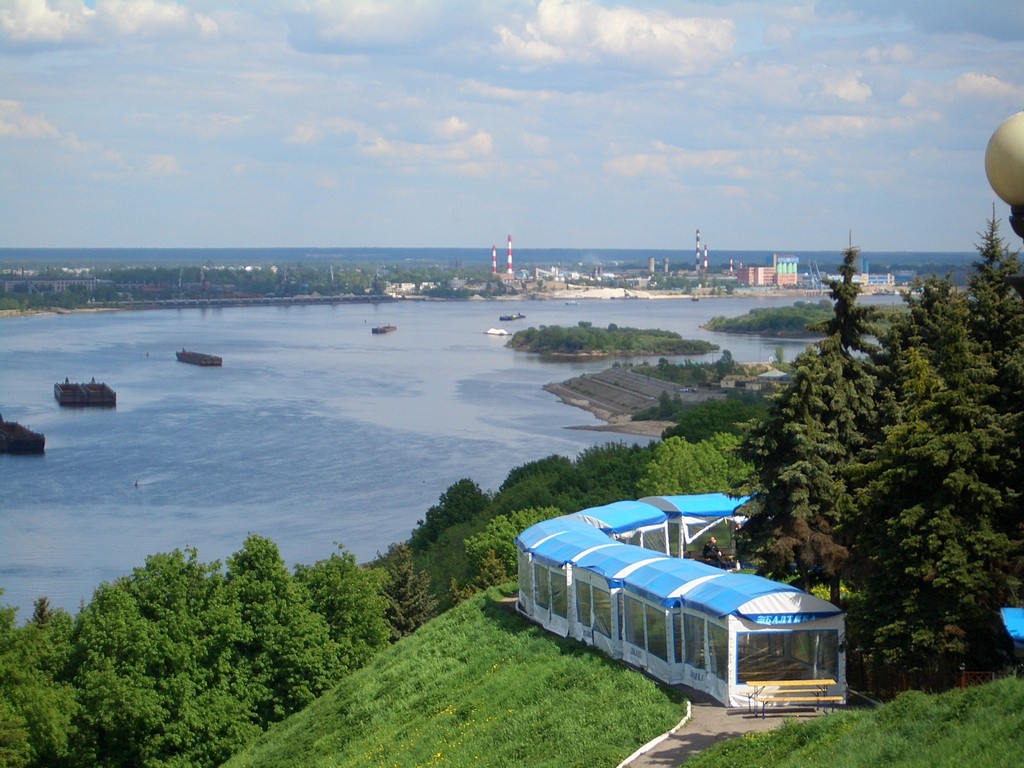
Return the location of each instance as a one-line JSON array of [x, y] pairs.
[[980, 727], [476, 686]]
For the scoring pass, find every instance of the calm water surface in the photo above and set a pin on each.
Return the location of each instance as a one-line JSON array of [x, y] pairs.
[[315, 433]]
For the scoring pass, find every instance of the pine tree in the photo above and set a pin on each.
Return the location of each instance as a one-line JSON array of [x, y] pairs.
[[410, 604], [815, 429], [932, 494]]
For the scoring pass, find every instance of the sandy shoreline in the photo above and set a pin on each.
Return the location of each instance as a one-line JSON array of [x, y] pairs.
[[623, 425]]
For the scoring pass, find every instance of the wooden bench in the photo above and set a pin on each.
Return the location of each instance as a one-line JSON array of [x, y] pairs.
[[765, 692]]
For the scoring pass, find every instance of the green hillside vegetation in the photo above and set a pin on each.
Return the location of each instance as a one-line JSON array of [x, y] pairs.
[[981, 726], [795, 321], [585, 340], [476, 686]]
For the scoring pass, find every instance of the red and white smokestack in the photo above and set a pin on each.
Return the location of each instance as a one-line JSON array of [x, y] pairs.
[[730, 265], [494, 259], [509, 268], [696, 261], [705, 257]]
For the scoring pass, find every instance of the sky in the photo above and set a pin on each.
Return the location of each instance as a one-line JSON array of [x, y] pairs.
[[780, 125]]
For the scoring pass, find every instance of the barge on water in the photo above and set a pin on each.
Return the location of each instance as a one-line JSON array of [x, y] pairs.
[[198, 358], [513, 316], [383, 329], [94, 394], [15, 438]]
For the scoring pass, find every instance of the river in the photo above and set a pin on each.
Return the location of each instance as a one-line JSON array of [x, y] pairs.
[[315, 433]]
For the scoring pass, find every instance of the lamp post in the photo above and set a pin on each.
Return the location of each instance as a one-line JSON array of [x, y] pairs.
[[1004, 166]]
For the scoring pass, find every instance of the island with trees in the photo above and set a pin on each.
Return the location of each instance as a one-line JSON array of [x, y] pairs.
[[796, 321], [584, 340]]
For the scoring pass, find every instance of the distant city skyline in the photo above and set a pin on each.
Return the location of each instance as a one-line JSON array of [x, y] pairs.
[[566, 123]]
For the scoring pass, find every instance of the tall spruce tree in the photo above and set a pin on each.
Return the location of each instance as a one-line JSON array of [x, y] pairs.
[[997, 322], [815, 429], [932, 494]]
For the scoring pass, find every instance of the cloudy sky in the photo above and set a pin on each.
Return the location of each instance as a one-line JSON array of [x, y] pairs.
[[767, 124]]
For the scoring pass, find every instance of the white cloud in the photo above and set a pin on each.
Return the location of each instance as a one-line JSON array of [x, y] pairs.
[[39, 21], [987, 86], [847, 87], [71, 22], [141, 17], [898, 53], [16, 124], [362, 24], [451, 128], [579, 31], [480, 144], [306, 133], [665, 160]]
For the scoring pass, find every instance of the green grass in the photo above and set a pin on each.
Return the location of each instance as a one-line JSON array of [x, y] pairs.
[[981, 727], [478, 686]]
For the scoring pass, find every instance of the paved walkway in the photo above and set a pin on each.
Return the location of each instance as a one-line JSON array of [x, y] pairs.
[[709, 722]]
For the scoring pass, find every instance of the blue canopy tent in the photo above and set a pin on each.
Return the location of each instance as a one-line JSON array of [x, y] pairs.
[[691, 516], [1013, 620], [681, 621], [545, 548], [634, 522], [687, 622]]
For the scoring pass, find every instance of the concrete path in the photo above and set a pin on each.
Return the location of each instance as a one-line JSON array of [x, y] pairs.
[[709, 722]]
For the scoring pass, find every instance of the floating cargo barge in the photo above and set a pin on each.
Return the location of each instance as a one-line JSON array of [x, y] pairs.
[[94, 394], [383, 329], [15, 438], [198, 358], [513, 316]]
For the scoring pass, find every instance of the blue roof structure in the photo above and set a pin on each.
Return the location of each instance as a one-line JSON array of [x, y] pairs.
[[614, 561], [721, 593], [657, 581], [562, 549], [1013, 620], [557, 526], [583, 539], [699, 505], [622, 516]]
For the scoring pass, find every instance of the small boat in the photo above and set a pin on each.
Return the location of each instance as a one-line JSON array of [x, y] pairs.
[[198, 358], [93, 394], [513, 316], [383, 329], [572, 302], [15, 438], [496, 332]]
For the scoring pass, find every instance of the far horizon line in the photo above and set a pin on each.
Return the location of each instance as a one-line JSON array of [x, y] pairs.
[[487, 249]]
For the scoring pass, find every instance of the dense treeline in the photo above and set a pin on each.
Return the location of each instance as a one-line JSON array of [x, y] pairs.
[[585, 339], [182, 662], [892, 467], [889, 472], [796, 320]]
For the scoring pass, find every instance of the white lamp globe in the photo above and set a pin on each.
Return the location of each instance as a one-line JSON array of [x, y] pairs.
[[1004, 160]]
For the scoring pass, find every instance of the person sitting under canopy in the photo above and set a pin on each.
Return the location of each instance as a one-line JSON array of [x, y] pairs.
[[713, 554]]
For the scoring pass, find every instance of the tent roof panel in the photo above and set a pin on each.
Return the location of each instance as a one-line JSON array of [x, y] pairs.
[[538, 532], [562, 549], [657, 581], [622, 516], [699, 504], [1013, 620], [757, 599], [610, 562]]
